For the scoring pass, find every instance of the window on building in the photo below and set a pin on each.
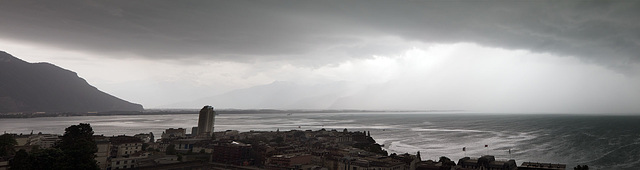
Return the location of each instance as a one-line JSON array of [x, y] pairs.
[[118, 163], [132, 161], [125, 162]]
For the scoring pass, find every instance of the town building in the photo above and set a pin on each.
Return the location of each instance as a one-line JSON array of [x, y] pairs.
[[487, 162], [126, 152], [103, 155], [541, 166], [365, 163], [206, 119], [194, 131], [145, 137], [22, 140], [44, 141], [288, 161], [4, 164], [125, 145], [185, 145], [234, 153], [172, 133], [126, 162]]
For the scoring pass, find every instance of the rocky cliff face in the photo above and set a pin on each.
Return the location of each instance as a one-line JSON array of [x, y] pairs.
[[44, 87]]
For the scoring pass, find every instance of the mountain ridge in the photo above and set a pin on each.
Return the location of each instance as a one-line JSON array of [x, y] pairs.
[[45, 87]]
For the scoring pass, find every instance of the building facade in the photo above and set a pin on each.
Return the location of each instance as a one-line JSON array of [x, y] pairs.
[[172, 133], [206, 120], [103, 155], [126, 151]]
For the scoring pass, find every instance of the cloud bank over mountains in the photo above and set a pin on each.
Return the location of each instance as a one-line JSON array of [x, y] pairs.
[[448, 79], [508, 56]]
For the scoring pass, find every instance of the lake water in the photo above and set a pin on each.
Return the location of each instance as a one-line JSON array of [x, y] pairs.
[[605, 142]]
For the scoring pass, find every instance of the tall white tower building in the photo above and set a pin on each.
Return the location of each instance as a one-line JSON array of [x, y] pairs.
[[206, 119]]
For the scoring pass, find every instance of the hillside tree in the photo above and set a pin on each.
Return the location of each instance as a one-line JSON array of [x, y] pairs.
[[78, 147], [7, 145]]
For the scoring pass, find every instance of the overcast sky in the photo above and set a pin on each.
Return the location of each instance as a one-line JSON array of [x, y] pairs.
[[480, 56]]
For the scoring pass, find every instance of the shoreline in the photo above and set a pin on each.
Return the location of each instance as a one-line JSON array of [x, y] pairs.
[[19, 115]]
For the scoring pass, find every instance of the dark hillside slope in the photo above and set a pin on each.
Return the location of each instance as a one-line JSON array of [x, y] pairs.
[[44, 87]]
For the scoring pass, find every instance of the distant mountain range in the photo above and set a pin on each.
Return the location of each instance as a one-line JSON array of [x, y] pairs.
[[336, 95], [277, 95], [44, 87]]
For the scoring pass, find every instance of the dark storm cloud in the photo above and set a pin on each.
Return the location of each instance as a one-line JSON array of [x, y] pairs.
[[605, 32]]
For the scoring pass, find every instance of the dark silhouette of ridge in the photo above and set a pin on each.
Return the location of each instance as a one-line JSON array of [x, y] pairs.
[[44, 87]]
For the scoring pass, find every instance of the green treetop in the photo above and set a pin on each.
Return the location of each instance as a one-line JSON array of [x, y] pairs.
[[78, 147], [7, 143]]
